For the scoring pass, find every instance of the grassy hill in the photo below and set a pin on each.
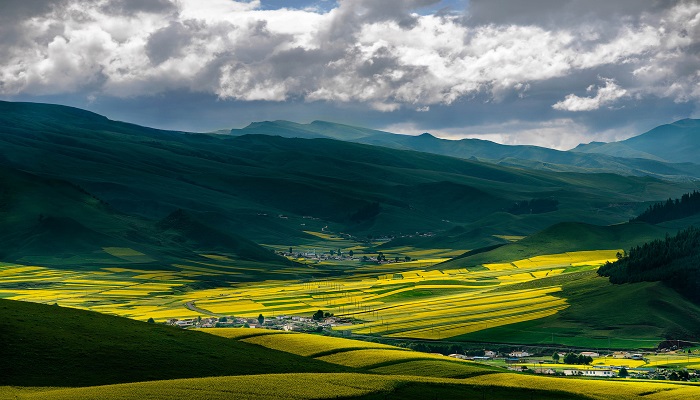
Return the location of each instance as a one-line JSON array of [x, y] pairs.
[[560, 238], [604, 316], [53, 222], [55, 346], [271, 190], [55, 353]]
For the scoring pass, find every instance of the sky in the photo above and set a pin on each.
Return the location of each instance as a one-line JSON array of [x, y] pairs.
[[553, 73]]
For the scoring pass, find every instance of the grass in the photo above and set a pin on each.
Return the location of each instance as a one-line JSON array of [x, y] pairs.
[[433, 368], [602, 315], [372, 358], [127, 350], [313, 345], [366, 386], [57, 346]]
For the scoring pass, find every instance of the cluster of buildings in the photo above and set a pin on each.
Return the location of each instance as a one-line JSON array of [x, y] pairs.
[[282, 322]]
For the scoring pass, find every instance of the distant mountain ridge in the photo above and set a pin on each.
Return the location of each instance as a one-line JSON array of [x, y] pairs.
[[675, 142], [583, 159]]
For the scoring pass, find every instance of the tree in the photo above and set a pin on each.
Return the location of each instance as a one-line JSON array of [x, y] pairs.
[[407, 258], [555, 357], [623, 373], [318, 315], [291, 251], [151, 321], [571, 358], [365, 258], [396, 259], [223, 319], [332, 252], [261, 319], [351, 253]]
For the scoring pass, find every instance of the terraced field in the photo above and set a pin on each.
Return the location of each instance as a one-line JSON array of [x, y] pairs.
[[396, 299]]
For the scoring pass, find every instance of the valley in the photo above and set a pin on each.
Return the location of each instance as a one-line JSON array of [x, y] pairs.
[[412, 253]]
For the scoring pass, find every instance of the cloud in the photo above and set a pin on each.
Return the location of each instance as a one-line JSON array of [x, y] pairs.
[[382, 54], [606, 96]]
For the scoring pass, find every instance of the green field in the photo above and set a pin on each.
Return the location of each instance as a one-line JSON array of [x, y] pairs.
[[391, 299], [43, 342]]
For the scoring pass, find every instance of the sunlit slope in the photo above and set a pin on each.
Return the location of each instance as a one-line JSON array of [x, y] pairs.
[[365, 386], [261, 187], [54, 346], [603, 315], [564, 237]]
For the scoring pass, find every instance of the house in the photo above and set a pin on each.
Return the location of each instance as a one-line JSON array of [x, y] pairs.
[[519, 354], [601, 373], [637, 356], [622, 354], [459, 356], [590, 354], [545, 371], [184, 324], [489, 353], [481, 358]]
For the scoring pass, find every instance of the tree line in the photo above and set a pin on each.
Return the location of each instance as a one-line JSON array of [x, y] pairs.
[[674, 260], [686, 206]]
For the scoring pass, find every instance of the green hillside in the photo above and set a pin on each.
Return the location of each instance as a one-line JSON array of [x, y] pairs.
[[53, 222], [55, 346], [604, 316], [561, 238], [271, 190], [54, 353], [673, 260]]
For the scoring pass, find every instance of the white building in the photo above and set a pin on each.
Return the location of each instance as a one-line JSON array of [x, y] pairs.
[[519, 354], [602, 373]]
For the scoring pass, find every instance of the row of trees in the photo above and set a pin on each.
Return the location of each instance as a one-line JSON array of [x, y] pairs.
[[673, 260], [572, 358], [687, 205]]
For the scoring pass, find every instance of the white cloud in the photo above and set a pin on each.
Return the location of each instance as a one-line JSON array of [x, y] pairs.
[[378, 53], [606, 96]]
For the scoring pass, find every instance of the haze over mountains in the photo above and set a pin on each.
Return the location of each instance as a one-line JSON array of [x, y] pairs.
[[669, 151]]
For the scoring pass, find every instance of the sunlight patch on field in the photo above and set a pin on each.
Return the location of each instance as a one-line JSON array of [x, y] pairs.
[[397, 299]]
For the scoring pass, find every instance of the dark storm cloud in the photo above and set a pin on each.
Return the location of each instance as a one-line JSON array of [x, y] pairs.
[[168, 42]]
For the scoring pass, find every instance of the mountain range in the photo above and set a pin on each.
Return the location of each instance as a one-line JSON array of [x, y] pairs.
[[669, 151], [74, 182]]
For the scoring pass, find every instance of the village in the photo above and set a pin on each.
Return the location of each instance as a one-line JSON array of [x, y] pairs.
[[615, 364], [317, 323]]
